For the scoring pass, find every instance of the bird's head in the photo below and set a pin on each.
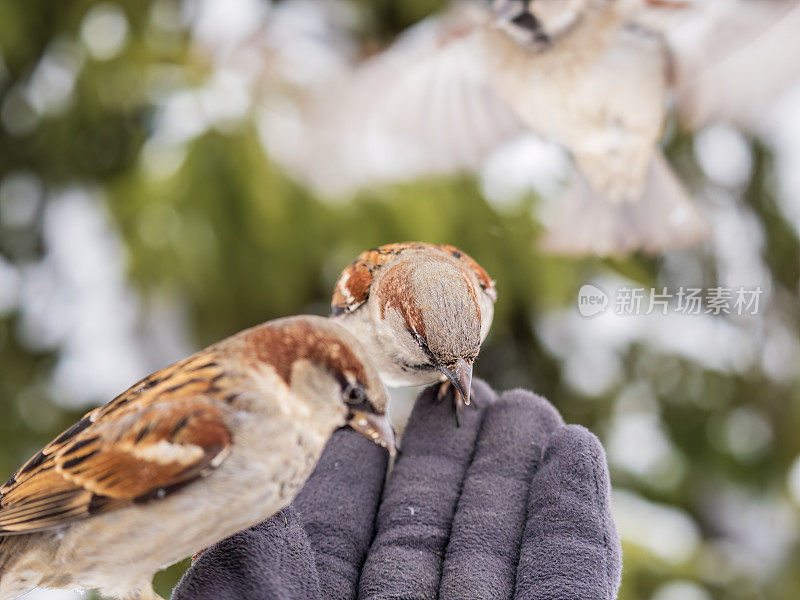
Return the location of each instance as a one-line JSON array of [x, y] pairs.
[[431, 306], [434, 305], [325, 366], [537, 23]]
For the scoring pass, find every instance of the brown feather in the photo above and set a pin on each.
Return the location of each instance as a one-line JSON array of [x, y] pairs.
[[398, 294], [353, 286], [283, 347], [162, 432]]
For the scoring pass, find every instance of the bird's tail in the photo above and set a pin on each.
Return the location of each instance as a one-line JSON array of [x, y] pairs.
[[663, 217]]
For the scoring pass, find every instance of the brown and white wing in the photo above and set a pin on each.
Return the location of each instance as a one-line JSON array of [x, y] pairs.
[[421, 107], [160, 435], [731, 58]]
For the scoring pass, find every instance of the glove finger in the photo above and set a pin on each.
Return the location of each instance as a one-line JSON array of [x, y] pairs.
[[482, 555], [570, 548], [271, 560], [337, 507], [416, 513]]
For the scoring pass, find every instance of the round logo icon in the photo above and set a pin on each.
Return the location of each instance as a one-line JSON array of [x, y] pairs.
[[591, 300]]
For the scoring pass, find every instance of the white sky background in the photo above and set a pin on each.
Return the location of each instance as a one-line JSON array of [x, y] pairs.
[[77, 299]]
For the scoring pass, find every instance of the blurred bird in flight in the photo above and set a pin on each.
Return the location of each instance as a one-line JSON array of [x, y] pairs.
[[596, 77]]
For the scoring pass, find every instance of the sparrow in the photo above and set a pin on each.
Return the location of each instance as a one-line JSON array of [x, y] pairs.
[[420, 310], [593, 76], [189, 455]]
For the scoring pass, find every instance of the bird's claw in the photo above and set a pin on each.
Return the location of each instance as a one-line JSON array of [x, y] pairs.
[[444, 388], [198, 555], [458, 400]]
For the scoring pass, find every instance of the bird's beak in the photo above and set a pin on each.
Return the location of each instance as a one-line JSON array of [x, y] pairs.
[[374, 427], [461, 378]]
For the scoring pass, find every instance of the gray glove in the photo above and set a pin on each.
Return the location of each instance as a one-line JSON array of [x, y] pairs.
[[512, 504]]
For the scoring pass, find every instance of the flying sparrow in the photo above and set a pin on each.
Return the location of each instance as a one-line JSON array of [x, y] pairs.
[[186, 457], [421, 311], [593, 76]]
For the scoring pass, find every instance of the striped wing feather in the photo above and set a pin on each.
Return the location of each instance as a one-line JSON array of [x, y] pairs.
[[159, 435]]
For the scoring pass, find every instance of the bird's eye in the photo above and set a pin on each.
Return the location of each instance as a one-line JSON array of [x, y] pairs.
[[423, 343], [526, 20], [420, 340], [354, 393]]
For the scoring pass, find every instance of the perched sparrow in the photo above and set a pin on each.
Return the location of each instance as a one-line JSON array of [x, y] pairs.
[[421, 311], [593, 76], [186, 457]]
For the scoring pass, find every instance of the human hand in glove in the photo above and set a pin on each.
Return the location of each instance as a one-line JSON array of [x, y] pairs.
[[514, 504]]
